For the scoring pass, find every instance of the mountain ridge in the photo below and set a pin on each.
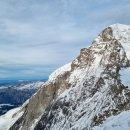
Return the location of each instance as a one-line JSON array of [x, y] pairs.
[[83, 93]]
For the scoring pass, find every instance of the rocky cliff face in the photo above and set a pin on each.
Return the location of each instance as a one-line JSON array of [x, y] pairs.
[[82, 94]]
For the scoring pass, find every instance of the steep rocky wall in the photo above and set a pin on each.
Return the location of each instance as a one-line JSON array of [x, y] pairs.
[[39, 102], [84, 96], [106, 95]]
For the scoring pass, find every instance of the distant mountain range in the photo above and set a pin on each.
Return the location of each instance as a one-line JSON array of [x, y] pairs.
[[15, 93]]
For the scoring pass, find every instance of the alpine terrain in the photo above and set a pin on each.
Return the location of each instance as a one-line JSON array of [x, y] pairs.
[[90, 93]]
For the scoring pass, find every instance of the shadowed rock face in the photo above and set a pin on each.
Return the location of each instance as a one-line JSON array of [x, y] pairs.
[[39, 102], [107, 34], [84, 96]]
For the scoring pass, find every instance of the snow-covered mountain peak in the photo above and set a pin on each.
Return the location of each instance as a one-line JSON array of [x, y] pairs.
[[119, 32], [122, 34], [116, 32], [119, 25], [85, 92]]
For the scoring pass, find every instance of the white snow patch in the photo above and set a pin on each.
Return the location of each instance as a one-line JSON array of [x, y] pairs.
[[122, 33], [6, 105], [7, 120], [59, 71], [119, 122], [125, 76]]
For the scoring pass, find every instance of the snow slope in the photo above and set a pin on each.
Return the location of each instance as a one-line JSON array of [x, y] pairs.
[[59, 72], [7, 120], [119, 122], [122, 33]]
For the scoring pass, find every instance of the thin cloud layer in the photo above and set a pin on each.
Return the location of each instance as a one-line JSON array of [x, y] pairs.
[[37, 36]]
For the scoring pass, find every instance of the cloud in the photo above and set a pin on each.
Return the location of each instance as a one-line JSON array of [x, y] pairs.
[[38, 36]]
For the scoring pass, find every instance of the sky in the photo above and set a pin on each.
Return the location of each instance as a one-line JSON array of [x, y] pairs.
[[38, 36]]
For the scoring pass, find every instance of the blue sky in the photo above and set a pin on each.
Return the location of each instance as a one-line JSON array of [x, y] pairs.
[[38, 36]]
